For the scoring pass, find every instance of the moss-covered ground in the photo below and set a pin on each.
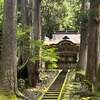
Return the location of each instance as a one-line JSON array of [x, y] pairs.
[[72, 90], [5, 96]]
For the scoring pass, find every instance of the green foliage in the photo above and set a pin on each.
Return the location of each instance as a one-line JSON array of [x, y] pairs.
[[70, 21], [46, 54], [52, 14], [22, 30], [22, 33], [86, 98], [49, 55], [1, 14], [59, 14]]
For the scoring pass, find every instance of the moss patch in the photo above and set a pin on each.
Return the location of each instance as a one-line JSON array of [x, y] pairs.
[[7, 96]]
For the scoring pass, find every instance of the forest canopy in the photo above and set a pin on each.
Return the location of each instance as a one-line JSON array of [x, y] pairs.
[[60, 15]]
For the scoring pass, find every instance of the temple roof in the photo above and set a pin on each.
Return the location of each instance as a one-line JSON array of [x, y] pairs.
[[56, 38]]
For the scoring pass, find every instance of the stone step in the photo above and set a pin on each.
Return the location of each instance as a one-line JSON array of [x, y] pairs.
[[52, 94], [51, 97], [55, 88]]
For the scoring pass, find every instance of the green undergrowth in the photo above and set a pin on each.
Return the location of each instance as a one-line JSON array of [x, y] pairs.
[[97, 91], [3, 97], [6, 96], [72, 89]]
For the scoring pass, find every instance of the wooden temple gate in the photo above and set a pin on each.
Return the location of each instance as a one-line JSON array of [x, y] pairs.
[[68, 53]]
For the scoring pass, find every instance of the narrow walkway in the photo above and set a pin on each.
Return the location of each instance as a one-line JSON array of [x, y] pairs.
[[55, 89]]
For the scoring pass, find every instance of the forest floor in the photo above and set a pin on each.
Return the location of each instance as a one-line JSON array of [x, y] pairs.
[[72, 90], [46, 77]]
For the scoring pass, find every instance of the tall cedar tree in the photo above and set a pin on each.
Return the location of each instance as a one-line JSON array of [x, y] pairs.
[[93, 40], [36, 24], [84, 33], [8, 68], [98, 21], [26, 20]]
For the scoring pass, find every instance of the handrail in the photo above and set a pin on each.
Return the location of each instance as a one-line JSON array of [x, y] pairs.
[[66, 78]]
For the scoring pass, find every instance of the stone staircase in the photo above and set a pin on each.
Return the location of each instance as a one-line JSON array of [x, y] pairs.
[[55, 90]]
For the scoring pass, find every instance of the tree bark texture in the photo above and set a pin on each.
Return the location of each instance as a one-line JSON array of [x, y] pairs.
[[98, 29], [33, 74], [36, 35], [8, 67], [26, 54], [84, 33], [92, 61], [0, 43], [24, 6]]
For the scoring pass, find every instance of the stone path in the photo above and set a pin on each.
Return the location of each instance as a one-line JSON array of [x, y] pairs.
[[55, 89]]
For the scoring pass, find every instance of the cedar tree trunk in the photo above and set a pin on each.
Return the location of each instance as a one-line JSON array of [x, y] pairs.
[[36, 36], [8, 68], [92, 61]]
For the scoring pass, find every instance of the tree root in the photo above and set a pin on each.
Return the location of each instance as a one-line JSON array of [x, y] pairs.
[[20, 95]]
